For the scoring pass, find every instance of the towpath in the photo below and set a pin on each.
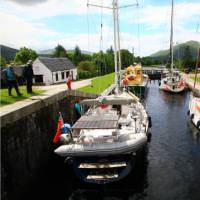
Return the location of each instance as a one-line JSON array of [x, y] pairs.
[[190, 82], [49, 91]]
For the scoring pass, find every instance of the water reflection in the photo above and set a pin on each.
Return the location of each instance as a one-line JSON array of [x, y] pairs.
[[170, 169]]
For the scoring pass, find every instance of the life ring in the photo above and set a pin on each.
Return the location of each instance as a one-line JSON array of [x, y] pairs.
[[149, 137]]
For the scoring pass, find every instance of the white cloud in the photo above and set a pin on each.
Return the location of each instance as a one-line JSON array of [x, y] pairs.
[[17, 32], [29, 2], [51, 8], [155, 16]]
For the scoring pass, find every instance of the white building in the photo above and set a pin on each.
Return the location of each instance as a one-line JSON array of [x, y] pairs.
[[53, 70]]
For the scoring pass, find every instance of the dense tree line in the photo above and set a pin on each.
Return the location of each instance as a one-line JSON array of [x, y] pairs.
[[90, 65]]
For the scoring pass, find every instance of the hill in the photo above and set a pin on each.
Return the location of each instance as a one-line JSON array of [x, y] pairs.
[[7, 52], [50, 52], [179, 51], [46, 52]]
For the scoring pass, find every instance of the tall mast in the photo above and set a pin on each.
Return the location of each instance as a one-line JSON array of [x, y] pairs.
[[119, 52], [171, 36], [115, 24]]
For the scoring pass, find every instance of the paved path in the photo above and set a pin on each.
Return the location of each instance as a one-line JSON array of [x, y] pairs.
[[190, 81], [49, 91], [63, 86]]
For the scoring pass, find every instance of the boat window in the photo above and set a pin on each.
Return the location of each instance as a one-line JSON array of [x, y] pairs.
[[118, 108]]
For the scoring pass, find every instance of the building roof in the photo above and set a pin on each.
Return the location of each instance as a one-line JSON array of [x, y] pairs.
[[57, 64]]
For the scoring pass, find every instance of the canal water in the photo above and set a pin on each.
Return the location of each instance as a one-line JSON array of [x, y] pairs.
[[170, 171]]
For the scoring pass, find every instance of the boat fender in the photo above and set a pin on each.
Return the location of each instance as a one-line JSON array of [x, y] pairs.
[[192, 116], [150, 122], [65, 128], [188, 112], [149, 137], [198, 124]]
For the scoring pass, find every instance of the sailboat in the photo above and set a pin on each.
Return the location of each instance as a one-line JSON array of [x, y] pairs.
[[172, 82], [194, 102], [106, 140]]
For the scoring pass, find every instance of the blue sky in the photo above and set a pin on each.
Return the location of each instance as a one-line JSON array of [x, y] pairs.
[[42, 24]]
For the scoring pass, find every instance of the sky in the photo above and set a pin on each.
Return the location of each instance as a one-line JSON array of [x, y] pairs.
[[144, 29]]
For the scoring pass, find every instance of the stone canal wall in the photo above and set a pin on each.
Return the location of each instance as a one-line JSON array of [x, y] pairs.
[[26, 140]]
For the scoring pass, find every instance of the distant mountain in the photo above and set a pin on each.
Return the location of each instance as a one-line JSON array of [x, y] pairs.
[[179, 51], [50, 52], [47, 51], [7, 52]]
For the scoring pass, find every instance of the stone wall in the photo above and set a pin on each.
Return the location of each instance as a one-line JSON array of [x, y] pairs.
[[26, 140]]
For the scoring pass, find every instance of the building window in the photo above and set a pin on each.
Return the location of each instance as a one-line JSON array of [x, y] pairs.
[[56, 76], [63, 75]]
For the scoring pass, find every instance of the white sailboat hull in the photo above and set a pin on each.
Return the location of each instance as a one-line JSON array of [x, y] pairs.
[[174, 88], [194, 110]]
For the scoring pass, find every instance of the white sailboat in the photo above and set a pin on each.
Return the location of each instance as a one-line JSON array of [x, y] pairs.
[[108, 137], [194, 102], [173, 81]]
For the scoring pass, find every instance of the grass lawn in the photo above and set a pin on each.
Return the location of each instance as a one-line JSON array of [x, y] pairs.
[[5, 99], [98, 85], [198, 79]]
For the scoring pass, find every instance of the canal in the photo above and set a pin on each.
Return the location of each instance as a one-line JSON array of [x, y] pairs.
[[170, 171]]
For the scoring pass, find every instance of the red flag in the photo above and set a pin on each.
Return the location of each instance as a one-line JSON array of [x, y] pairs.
[[59, 126], [103, 106]]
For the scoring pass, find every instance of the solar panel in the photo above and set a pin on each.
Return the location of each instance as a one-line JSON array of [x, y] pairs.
[[104, 124], [99, 118]]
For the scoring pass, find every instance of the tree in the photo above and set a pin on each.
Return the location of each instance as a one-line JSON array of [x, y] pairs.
[[60, 52], [86, 66], [25, 54], [2, 62], [77, 55], [126, 58], [187, 60], [110, 51]]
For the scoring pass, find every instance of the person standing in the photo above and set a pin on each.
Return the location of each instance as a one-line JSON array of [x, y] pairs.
[[69, 82], [12, 81], [77, 107], [28, 75]]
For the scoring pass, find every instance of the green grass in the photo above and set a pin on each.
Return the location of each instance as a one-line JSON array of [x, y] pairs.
[[99, 84], [198, 79], [5, 99]]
